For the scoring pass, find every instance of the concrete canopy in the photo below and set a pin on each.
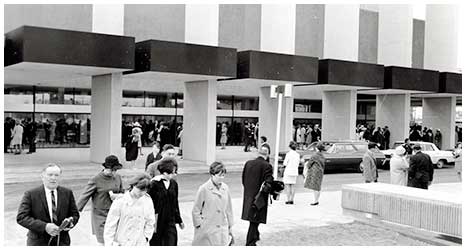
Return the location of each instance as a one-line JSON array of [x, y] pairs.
[[35, 54], [266, 68], [183, 62], [449, 85], [401, 80], [335, 75]]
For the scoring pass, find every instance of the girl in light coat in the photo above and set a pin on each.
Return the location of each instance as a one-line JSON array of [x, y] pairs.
[[291, 163], [212, 211], [399, 167], [131, 219]]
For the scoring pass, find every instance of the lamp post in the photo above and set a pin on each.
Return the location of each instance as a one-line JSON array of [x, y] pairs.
[[279, 92]]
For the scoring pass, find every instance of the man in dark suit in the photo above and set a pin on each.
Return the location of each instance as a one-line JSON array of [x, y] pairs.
[[44, 209], [155, 155], [255, 198], [421, 170]]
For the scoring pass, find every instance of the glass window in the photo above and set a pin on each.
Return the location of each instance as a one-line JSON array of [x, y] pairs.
[[82, 96], [427, 147], [246, 103], [133, 99], [307, 106], [361, 147], [344, 148], [224, 102]]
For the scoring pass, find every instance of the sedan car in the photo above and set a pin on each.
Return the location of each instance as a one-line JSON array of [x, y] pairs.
[[337, 154], [439, 157]]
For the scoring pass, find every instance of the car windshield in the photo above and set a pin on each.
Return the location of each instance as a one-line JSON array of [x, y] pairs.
[[313, 146]]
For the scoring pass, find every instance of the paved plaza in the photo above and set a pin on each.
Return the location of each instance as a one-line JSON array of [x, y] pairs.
[[290, 225]]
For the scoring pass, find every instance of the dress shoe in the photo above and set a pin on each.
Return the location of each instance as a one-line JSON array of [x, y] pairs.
[[315, 204]]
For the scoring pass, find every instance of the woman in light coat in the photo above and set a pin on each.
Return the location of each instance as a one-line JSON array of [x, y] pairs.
[[291, 163], [212, 211], [399, 167], [369, 165], [131, 219]]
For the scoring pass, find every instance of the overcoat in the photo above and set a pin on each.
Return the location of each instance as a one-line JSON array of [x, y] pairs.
[[97, 188], [212, 215], [255, 173]]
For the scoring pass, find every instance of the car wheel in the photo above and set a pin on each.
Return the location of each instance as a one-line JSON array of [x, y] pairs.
[[441, 164]]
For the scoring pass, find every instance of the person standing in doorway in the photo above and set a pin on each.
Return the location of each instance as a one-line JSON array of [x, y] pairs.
[[291, 163], [224, 137], [314, 173], [17, 137], [257, 180]]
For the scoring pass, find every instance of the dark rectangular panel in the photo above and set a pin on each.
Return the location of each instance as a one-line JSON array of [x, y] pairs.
[[450, 83], [45, 45], [351, 73], [273, 66], [174, 57], [13, 47], [411, 79]]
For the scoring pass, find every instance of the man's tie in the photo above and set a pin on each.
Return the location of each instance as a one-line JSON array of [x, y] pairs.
[[54, 209]]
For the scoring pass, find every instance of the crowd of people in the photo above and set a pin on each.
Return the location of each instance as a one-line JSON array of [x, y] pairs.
[[147, 213]]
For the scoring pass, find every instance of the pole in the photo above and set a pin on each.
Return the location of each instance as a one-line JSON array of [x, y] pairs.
[[34, 103], [277, 135]]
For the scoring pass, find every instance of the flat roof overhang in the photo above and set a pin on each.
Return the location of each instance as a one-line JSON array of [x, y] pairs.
[[266, 68], [449, 85], [336, 75], [402, 80], [183, 62], [37, 54]]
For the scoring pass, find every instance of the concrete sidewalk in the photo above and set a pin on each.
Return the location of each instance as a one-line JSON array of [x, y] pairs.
[[281, 217], [76, 165]]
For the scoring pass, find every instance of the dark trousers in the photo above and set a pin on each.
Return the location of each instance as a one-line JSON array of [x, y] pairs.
[[417, 184], [247, 145], [253, 234], [165, 237], [32, 145]]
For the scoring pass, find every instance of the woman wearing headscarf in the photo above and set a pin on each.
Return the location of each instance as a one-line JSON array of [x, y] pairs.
[[399, 167], [103, 188], [314, 173], [212, 211], [131, 219]]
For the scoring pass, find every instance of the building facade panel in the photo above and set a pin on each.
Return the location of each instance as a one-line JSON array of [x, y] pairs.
[[65, 16], [418, 43], [368, 36], [161, 22], [310, 30]]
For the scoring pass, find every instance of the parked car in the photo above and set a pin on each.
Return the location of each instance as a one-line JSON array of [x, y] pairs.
[[337, 154], [439, 157]]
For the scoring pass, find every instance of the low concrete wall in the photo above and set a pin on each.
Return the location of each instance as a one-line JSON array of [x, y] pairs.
[[433, 210]]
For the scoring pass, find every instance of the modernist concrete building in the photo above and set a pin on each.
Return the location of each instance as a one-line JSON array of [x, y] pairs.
[[206, 64]]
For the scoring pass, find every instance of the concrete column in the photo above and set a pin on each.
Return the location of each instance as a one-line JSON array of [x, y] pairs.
[[339, 115], [439, 113], [278, 28], [341, 31], [106, 117], [268, 119], [395, 35], [441, 37], [199, 121], [394, 111]]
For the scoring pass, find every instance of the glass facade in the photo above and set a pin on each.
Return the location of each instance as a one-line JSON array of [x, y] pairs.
[[235, 126], [307, 106], [237, 103], [152, 99]]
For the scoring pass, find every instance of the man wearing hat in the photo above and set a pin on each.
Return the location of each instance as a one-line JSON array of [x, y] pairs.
[[421, 170], [103, 188]]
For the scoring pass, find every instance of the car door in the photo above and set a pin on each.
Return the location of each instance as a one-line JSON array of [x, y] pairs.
[[428, 149], [342, 156]]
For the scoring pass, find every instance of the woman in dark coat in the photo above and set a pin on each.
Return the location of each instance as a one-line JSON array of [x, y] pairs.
[[314, 173], [103, 188], [132, 149]]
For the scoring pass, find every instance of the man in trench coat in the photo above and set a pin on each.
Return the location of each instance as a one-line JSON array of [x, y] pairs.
[[255, 173]]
